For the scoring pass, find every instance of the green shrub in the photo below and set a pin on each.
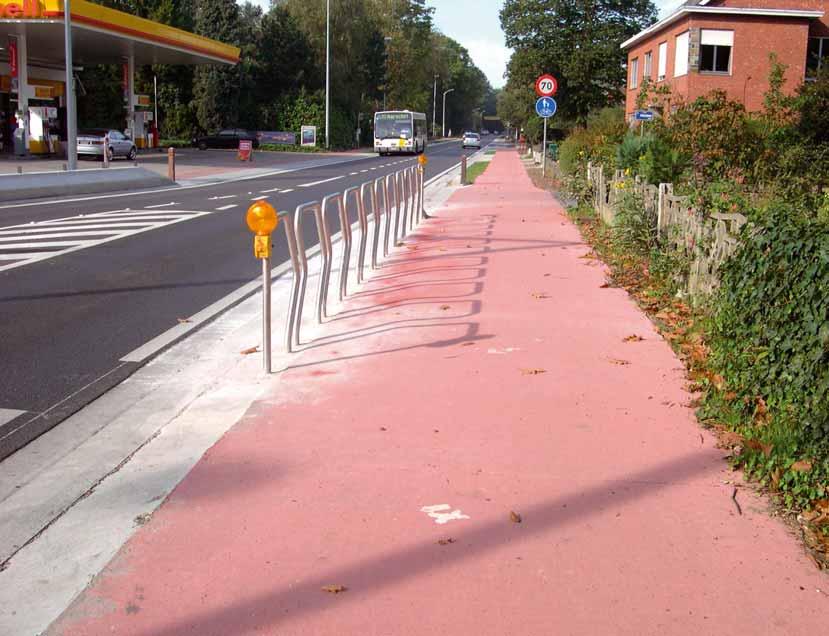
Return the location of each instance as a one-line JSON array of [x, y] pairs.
[[770, 343]]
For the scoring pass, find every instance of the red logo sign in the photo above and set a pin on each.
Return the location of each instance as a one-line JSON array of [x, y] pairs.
[[13, 57], [245, 150], [546, 86]]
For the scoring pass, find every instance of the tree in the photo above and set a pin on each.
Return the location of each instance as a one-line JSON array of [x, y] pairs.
[[578, 41], [216, 88]]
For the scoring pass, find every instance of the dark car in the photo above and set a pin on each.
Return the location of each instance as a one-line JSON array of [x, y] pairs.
[[227, 138]]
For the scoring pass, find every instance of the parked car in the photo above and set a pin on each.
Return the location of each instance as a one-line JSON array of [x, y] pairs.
[[91, 143], [471, 140], [227, 138]]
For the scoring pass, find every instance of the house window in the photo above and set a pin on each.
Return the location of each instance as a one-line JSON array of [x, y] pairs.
[[662, 64], [817, 58], [648, 65], [715, 51], [634, 73], [681, 61]]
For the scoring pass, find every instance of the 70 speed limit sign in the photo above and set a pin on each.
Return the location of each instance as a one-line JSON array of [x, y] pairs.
[[546, 86]]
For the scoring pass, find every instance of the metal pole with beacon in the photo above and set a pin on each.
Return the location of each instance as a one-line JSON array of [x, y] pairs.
[[262, 221]]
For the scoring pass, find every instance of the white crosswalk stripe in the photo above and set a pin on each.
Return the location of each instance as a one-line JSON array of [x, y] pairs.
[[37, 241]]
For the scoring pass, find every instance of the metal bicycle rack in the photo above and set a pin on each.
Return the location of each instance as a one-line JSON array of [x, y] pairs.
[[398, 194]]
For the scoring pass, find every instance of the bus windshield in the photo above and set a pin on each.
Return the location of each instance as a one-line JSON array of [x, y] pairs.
[[393, 126]]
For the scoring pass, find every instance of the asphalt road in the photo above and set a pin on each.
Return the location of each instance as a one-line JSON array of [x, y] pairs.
[[85, 282]]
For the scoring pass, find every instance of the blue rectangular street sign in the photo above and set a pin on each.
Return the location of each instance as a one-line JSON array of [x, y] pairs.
[[644, 115]]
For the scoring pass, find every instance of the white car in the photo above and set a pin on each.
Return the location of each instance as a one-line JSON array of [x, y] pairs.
[[91, 143], [471, 140]]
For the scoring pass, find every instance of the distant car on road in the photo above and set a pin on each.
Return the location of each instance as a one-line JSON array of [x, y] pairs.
[[91, 143], [471, 140], [227, 138]]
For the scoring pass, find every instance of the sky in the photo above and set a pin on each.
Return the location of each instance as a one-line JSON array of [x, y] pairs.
[[476, 25]]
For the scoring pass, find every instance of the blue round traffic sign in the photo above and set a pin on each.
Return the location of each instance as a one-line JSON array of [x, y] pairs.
[[546, 107]]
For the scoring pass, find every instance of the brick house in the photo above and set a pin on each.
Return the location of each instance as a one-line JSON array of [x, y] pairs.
[[725, 44]]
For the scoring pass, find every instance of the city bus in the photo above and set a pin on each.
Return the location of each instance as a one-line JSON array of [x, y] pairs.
[[399, 131]]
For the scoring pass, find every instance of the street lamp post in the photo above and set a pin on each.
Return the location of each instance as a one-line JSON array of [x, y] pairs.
[[445, 93], [435, 104], [71, 115], [327, 72], [386, 41]]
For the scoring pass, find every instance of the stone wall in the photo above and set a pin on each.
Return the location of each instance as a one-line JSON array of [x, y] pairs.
[[705, 241]]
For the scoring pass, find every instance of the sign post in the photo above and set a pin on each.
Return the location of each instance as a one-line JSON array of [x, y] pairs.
[[245, 150], [643, 116], [545, 87], [262, 221], [546, 107]]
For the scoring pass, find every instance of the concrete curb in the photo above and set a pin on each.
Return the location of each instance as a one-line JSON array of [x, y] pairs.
[[38, 185]]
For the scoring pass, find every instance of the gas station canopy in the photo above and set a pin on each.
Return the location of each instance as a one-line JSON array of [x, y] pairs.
[[106, 36]]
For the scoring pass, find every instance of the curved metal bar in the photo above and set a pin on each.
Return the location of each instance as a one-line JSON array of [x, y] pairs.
[[380, 203], [290, 235], [327, 255], [391, 201], [345, 227], [300, 282], [366, 192], [415, 196], [403, 193]]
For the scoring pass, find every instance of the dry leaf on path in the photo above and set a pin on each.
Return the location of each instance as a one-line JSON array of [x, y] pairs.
[[533, 371], [633, 338], [445, 307], [540, 295], [621, 363], [247, 352], [447, 541], [515, 517], [184, 320], [467, 344], [334, 589], [803, 466]]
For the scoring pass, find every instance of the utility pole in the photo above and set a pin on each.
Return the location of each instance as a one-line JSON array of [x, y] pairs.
[[327, 72], [445, 93], [435, 104], [71, 114]]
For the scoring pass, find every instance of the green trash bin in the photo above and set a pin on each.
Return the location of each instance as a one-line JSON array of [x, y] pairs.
[[552, 151]]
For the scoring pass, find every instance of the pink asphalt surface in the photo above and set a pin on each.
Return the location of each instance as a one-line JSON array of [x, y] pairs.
[[419, 394]]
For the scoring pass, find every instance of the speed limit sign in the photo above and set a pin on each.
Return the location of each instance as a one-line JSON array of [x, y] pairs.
[[546, 86]]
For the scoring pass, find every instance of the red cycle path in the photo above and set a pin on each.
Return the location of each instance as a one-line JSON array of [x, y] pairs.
[[482, 369]]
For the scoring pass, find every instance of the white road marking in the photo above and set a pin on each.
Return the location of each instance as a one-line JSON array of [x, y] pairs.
[[160, 205], [437, 513], [227, 207], [222, 198], [313, 183], [363, 171], [269, 191], [260, 198], [108, 226], [7, 415], [287, 191]]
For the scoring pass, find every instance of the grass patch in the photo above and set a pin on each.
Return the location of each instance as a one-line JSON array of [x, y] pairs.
[[476, 170]]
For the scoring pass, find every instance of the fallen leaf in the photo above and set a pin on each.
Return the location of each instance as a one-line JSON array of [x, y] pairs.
[[546, 275], [533, 371], [447, 541], [383, 428], [515, 517], [445, 307], [621, 363], [334, 589], [633, 338], [803, 466], [184, 320], [399, 244], [247, 352], [539, 295], [756, 445], [604, 285], [467, 344]]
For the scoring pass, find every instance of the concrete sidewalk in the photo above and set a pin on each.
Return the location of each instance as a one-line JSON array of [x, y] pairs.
[[481, 378]]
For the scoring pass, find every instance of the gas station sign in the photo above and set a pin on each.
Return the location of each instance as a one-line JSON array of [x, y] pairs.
[[24, 9]]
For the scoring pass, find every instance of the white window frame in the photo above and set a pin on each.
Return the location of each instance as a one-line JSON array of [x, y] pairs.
[[719, 39], [648, 65], [823, 49], [634, 74], [662, 64], [682, 45]]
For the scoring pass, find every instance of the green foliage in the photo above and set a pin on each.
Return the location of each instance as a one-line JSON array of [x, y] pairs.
[[578, 42], [634, 227], [631, 151], [770, 339]]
